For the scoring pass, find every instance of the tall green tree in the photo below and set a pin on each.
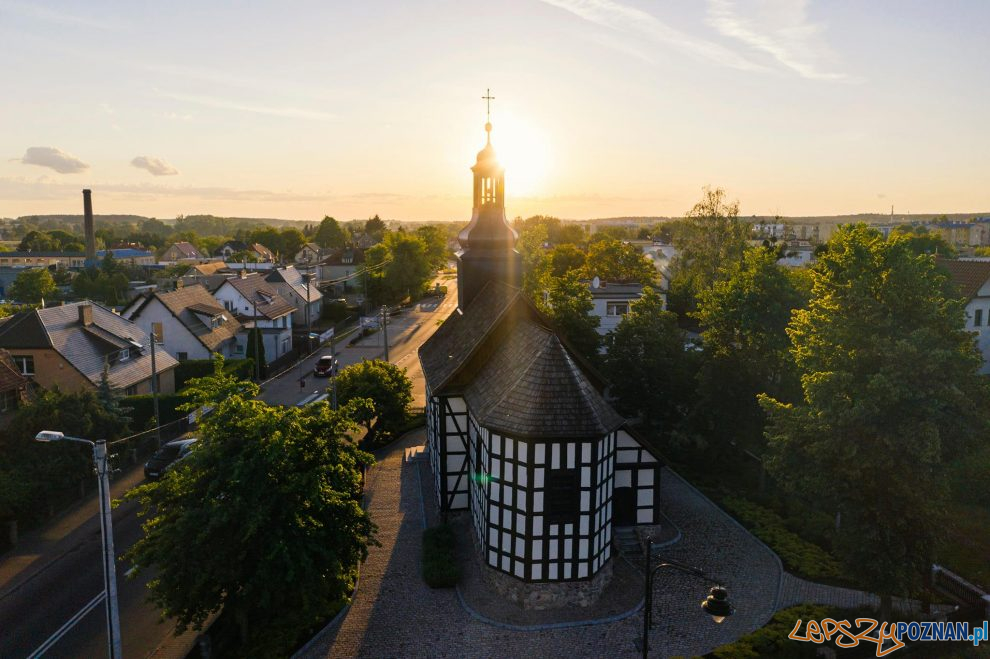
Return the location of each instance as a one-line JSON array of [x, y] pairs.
[[330, 234], [710, 242], [256, 349], [263, 521], [613, 260], [375, 227], [568, 304], [387, 387], [890, 391], [32, 286], [291, 240], [564, 258], [650, 372], [746, 349], [435, 242]]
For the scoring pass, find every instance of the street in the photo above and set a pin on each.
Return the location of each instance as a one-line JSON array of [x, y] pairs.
[[55, 571]]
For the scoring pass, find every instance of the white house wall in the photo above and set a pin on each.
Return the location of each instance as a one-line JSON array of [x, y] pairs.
[[637, 468], [176, 337], [981, 332]]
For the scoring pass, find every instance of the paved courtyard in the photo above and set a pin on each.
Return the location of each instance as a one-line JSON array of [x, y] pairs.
[[394, 614]]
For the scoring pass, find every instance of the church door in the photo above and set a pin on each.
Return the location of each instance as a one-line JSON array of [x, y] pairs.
[[623, 506]]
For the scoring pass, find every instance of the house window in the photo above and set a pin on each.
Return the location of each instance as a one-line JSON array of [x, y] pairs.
[[182, 356], [25, 363], [616, 308], [238, 349], [285, 346], [563, 496], [978, 318], [228, 305], [215, 322], [131, 390], [124, 354], [8, 401]]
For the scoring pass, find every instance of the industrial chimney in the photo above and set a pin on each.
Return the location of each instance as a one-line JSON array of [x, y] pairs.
[[88, 229]]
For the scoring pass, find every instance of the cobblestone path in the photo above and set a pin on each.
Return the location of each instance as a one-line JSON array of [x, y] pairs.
[[394, 614]]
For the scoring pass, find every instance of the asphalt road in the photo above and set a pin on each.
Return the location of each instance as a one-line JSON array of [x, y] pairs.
[[56, 571], [51, 575]]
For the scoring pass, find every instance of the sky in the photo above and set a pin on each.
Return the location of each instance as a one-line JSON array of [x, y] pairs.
[[603, 108]]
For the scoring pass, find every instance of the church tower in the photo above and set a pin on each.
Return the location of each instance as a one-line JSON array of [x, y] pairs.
[[488, 242]]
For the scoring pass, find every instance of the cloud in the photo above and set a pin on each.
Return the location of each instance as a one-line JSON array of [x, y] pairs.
[[155, 166], [223, 104], [630, 20], [47, 14], [779, 28], [48, 156]]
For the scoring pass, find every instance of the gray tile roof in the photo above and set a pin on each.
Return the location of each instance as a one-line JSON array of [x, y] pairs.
[[532, 387], [514, 372], [255, 289], [458, 337], [294, 278], [187, 304], [87, 348]]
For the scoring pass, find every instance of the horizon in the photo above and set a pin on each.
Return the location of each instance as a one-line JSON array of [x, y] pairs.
[[601, 108]]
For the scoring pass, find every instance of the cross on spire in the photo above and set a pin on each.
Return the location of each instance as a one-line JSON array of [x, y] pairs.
[[488, 98]]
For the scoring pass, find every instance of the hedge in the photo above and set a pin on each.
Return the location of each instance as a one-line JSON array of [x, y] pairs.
[[199, 368], [143, 409], [440, 568], [771, 639], [800, 556]]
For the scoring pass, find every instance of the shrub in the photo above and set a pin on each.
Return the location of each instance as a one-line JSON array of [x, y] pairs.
[[804, 558], [201, 368], [771, 639], [440, 568], [143, 409]]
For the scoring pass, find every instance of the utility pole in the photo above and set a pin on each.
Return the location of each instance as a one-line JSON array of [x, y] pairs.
[[385, 329], [156, 328], [257, 333], [109, 560]]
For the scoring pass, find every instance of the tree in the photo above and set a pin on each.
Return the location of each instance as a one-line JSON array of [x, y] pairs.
[[612, 260], [746, 348], [889, 392], [389, 390], [291, 240], [711, 243], [375, 228], [263, 521], [568, 304], [921, 241], [564, 258], [37, 241], [650, 372], [410, 270], [32, 286], [213, 389], [330, 234], [435, 241], [256, 349]]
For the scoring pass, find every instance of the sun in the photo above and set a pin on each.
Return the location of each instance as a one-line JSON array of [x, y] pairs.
[[523, 151]]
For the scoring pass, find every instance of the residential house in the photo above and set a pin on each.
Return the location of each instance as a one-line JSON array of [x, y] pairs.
[[71, 345], [363, 241], [14, 387], [255, 302], [612, 301], [129, 255], [336, 270], [229, 248], [292, 285], [311, 253], [182, 251], [193, 324], [661, 255], [262, 253], [972, 279], [210, 275]]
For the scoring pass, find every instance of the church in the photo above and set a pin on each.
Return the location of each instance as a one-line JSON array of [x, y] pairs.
[[520, 436]]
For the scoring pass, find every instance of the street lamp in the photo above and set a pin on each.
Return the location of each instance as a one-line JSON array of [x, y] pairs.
[[106, 526], [716, 604]]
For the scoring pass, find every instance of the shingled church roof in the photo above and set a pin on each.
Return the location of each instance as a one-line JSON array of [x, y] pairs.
[[514, 372], [531, 386]]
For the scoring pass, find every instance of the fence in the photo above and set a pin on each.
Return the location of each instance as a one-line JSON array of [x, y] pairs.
[[959, 590]]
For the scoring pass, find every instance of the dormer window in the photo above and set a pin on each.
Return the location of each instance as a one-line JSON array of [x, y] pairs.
[[124, 354]]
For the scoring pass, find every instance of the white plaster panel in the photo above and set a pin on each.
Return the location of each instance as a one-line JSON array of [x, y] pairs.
[[541, 454], [646, 477], [537, 551], [518, 570], [537, 571], [538, 478], [570, 456], [523, 450], [510, 446], [537, 502], [506, 563], [644, 496], [552, 549], [555, 456], [493, 559], [568, 549], [585, 500], [586, 452], [457, 404], [644, 516], [585, 476], [538, 525], [553, 572], [623, 478], [582, 570], [520, 522], [522, 475]]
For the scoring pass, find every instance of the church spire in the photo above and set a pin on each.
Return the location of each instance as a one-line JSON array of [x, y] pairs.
[[488, 241]]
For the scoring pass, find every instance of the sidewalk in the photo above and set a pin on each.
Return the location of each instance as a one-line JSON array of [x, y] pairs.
[[38, 548]]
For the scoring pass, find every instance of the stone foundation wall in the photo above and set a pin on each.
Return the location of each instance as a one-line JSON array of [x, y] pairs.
[[549, 594]]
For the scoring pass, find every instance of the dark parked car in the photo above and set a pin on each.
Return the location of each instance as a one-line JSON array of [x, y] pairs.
[[166, 456], [325, 366]]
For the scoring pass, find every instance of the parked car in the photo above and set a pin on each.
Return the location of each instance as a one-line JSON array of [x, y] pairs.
[[166, 457], [325, 366]]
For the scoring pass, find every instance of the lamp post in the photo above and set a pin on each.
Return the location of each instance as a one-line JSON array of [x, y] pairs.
[[716, 604], [106, 527]]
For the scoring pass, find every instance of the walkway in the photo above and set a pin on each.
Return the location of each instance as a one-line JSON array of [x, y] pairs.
[[394, 614]]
